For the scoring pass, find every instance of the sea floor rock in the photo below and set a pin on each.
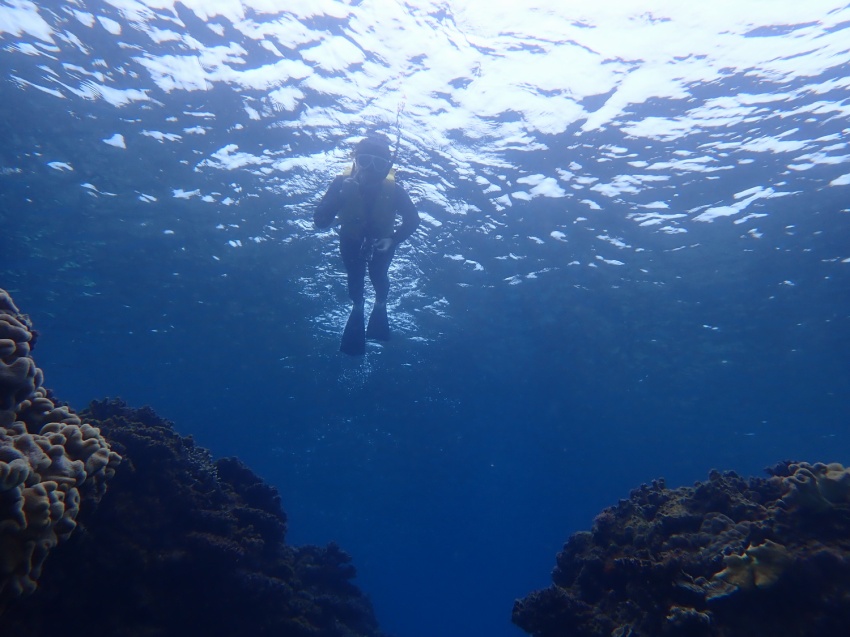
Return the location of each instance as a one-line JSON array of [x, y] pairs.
[[179, 545], [729, 557], [50, 461], [183, 544]]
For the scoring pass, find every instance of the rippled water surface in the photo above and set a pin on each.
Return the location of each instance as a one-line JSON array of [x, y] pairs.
[[634, 259]]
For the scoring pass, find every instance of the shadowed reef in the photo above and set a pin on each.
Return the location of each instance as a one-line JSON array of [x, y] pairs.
[[729, 557], [111, 522]]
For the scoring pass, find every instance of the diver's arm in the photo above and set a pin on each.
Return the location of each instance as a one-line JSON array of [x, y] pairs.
[[409, 217], [331, 202]]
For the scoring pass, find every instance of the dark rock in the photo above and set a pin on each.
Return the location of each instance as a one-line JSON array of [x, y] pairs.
[[724, 558], [181, 545]]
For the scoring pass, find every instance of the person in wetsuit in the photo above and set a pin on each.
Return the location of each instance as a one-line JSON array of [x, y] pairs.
[[365, 200]]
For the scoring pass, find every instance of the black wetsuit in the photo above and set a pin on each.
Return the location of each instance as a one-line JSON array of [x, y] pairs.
[[351, 244]]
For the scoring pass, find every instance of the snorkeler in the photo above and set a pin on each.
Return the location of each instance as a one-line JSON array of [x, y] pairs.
[[365, 199]]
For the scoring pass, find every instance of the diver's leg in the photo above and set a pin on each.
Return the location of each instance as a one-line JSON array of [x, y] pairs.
[[354, 336], [355, 268], [379, 325], [379, 268]]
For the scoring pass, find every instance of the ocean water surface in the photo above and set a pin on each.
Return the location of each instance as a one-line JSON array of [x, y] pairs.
[[634, 259]]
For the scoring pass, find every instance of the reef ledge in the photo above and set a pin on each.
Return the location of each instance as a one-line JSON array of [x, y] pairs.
[[178, 544], [727, 557]]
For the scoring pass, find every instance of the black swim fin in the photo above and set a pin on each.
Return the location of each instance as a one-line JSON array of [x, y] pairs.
[[379, 324], [354, 337]]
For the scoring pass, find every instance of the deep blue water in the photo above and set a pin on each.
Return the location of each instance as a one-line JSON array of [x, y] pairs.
[[508, 409], [453, 470]]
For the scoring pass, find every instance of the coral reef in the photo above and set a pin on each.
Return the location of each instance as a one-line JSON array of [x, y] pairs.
[[182, 544], [759, 567], [817, 487], [179, 544], [724, 558], [49, 461]]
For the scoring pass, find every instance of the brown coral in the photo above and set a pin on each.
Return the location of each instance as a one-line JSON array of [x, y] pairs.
[[47, 458]]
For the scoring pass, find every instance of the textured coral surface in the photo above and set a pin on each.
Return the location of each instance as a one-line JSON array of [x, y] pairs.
[[183, 545], [730, 557], [49, 461], [179, 545]]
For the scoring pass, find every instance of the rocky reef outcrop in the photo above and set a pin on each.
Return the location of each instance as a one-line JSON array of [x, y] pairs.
[[725, 558], [179, 544], [49, 460]]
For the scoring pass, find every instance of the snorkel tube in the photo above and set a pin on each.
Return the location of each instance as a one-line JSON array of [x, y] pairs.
[[398, 113]]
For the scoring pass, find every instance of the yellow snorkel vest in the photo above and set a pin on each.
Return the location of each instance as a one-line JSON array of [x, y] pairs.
[[379, 222]]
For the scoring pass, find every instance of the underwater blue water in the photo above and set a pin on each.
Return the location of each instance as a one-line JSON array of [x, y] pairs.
[[548, 355]]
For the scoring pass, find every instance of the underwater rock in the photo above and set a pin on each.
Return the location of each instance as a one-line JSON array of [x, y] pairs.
[[724, 558], [50, 460], [182, 545], [179, 545]]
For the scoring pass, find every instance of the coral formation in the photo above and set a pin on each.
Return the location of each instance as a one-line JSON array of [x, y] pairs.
[[182, 544], [760, 566], [818, 486], [724, 558], [49, 460]]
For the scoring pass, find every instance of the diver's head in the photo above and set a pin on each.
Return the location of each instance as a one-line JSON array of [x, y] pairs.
[[372, 157]]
